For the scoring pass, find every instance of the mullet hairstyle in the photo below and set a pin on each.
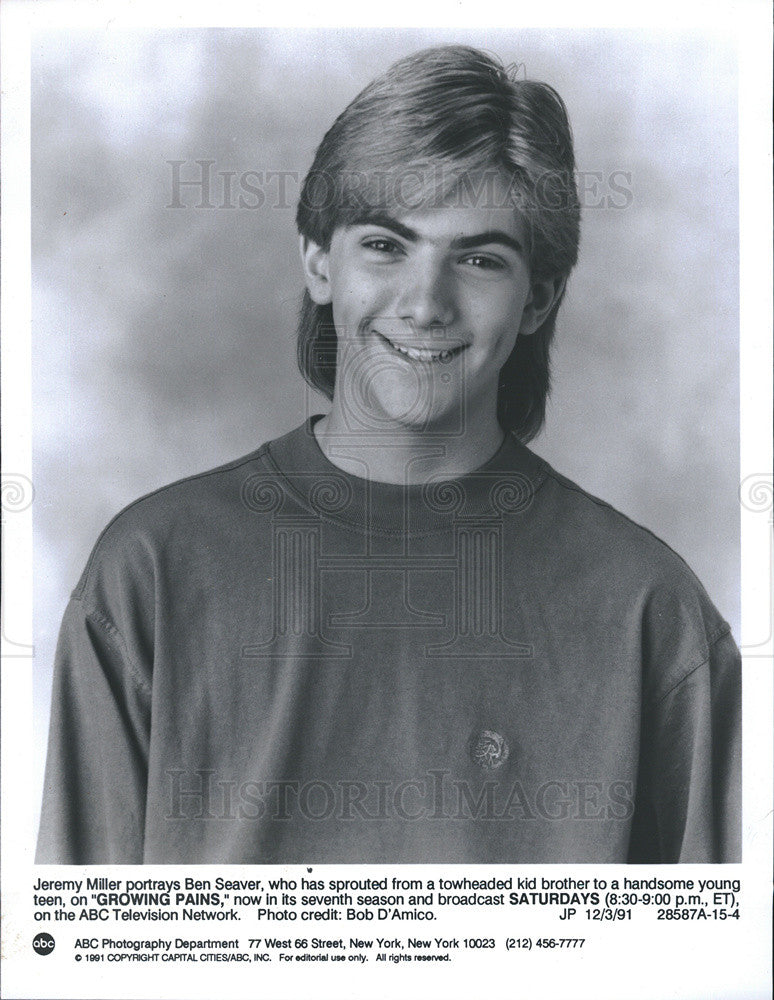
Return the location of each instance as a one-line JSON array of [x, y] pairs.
[[420, 134]]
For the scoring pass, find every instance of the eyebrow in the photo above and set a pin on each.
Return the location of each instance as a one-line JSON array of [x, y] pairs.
[[387, 222], [488, 237], [485, 238]]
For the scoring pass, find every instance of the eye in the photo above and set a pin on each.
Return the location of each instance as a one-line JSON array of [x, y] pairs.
[[484, 262], [381, 245]]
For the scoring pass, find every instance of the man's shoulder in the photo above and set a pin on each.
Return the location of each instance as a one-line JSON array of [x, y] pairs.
[[202, 491], [606, 551], [184, 496], [585, 521], [181, 520]]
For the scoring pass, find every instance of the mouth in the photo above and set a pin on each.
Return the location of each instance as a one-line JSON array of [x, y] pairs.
[[425, 355]]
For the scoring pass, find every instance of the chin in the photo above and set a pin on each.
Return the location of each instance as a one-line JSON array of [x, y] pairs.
[[420, 416]]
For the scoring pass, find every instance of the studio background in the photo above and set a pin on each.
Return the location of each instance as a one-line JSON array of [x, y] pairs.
[[164, 337]]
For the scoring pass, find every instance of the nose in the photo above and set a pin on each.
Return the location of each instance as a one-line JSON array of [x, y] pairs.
[[428, 297]]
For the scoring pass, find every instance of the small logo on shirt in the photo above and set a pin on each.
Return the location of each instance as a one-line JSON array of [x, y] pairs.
[[489, 750]]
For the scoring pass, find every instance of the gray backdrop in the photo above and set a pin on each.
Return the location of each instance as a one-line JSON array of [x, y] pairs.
[[163, 337]]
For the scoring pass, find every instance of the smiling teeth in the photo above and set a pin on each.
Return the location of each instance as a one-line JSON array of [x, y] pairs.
[[417, 354]]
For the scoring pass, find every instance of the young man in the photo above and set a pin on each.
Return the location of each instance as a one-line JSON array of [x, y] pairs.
[[395, 634]]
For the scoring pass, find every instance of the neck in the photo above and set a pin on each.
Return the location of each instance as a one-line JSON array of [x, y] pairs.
[[404, 454]]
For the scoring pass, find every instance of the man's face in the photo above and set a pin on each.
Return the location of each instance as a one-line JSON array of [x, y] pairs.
[[427, 306]]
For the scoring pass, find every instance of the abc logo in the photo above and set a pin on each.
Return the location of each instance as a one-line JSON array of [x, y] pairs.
[[43, 943]]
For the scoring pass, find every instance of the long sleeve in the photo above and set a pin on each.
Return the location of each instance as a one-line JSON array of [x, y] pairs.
[[689, 790], [96, 769]]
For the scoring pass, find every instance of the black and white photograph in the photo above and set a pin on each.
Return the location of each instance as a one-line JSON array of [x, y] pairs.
[[389, 480], [404, 600]]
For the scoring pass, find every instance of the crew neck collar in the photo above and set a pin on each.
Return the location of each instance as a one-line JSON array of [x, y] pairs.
[[506, 483]]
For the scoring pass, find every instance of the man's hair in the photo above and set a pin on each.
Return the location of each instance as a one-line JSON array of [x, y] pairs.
[[443, 122]]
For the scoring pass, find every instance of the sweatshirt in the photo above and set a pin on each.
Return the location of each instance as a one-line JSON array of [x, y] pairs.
[[278, 662]]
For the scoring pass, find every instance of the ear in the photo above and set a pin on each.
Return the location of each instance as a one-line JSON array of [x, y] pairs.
[[543, 296], [316, 271]]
